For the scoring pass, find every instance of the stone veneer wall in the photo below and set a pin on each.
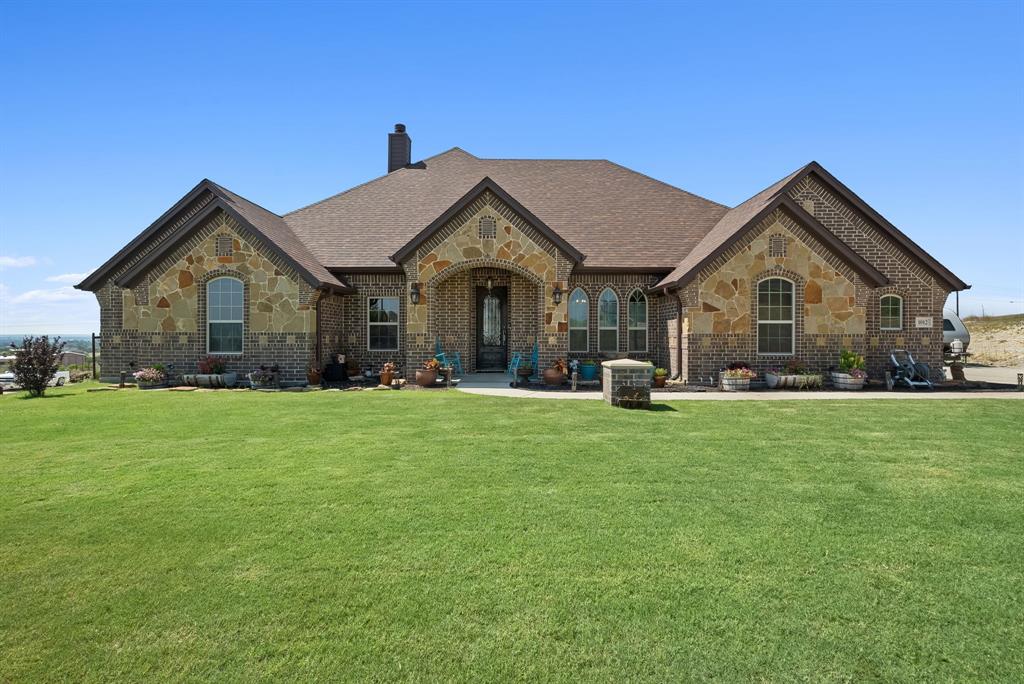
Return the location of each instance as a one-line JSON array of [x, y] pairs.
[[457, 246], [835, 309], [163, 318]]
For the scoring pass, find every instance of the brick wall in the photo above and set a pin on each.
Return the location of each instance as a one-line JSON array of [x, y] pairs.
[[659, 311]]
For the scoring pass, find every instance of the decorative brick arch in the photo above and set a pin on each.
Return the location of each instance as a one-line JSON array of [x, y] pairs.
[[483, 262]]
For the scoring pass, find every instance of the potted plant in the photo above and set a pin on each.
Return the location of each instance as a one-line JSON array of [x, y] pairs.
[[264, 378], [556, 374], [313, 374], [737, 377], [213, 373], [525, 370], [851, 374], [151, 377], [660, 376], [387, 373], [588, 370], [795, 374], [427, 376]]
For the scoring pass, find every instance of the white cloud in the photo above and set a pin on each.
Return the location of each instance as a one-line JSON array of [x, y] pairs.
[[16, 262], [67, 278], [58, 311], [60, 294]]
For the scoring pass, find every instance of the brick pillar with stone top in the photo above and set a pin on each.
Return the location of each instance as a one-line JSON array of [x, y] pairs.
[[627, 383]]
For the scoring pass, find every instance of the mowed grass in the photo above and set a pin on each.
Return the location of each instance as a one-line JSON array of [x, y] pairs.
[[442, 536]]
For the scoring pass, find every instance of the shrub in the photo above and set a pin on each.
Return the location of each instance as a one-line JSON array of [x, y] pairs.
[[660, 372], [152, 374], [850, 361], [431, 365], [212, 365], [741, 372], [36, 363]]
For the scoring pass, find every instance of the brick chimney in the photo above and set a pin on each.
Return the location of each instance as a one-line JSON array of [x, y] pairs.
[[399, 148]]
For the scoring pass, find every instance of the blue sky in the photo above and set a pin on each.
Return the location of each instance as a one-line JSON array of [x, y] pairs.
[[110, 112]]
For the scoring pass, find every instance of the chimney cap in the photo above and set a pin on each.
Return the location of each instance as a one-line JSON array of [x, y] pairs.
[[399, 128]]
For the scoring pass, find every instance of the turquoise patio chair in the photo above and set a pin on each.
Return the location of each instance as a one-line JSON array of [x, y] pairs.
[[454, 359]]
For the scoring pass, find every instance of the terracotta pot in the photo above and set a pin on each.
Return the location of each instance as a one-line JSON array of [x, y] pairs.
[[312, 377], [659, 380], [553, 377], [426, 378], [524, 372], [386, 377]]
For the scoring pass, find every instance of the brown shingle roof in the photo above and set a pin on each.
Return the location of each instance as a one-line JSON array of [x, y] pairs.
[[274, 228], [616, 217], [727, 227]]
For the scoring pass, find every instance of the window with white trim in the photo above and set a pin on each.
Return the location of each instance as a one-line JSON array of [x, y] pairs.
[[382, 323], [225, 315], [608, 321], [579, 321], [636, 310], [891, 312], [775, 323]]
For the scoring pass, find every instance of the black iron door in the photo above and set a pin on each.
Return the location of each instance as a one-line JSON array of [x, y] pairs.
[[491, 328]]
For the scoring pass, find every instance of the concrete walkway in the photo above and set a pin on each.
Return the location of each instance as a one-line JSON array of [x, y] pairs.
[[497, 385]]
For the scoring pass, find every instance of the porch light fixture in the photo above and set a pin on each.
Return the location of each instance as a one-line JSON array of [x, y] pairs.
[[556, 294], [490, 284], [414, 293]]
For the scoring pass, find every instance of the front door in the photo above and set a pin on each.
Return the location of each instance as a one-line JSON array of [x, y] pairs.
[[491, 328]]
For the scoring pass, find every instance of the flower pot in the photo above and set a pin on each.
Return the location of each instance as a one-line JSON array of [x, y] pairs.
[[313, 377], [228, 379], [426, 378], [188, 379], [386, 377], [735, 384], [659, 380], [524, 372], [553, 376], [588, 371], [771, 380], [144, 385], [845, 381], [203, 380]]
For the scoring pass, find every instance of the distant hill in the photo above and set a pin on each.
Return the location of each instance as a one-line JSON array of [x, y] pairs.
[[74, 342], [997, 340]]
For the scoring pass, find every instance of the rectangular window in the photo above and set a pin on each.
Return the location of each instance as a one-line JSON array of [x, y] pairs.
[[225, 314], [382, 323]]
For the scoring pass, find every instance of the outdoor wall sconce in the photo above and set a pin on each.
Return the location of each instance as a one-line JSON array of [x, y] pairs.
[[414, 293], [556, 294]]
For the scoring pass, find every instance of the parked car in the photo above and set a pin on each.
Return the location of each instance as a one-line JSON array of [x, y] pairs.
[[953, 329], [59, 379]]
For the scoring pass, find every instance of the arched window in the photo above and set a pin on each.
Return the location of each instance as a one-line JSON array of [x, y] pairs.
[[225, 315], [579, 321], [775, 306], [637, 321], [608, 321], [891, 312]]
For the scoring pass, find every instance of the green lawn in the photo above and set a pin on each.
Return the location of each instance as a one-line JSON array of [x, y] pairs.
[[438, 536]]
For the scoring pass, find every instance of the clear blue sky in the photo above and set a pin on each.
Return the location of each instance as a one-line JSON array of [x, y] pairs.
[[111, 112]]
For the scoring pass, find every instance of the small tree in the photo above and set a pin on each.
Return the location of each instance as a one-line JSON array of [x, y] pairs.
[[36, 363]]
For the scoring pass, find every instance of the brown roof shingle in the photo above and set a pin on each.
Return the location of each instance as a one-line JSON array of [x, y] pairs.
[[616, 217]]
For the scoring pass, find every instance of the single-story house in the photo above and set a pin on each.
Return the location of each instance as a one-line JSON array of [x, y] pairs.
[[72, 358], [584, 258]]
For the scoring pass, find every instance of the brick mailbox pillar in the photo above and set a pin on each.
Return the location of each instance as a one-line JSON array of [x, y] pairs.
[[627, 383]]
